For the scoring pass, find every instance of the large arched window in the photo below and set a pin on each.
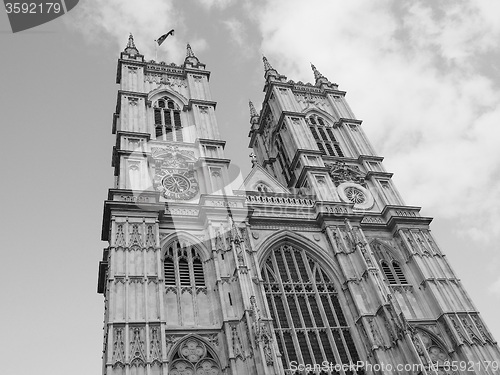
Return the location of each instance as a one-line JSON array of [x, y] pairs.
[[186, 294], [309, 324], [167, 116], [324, 137]]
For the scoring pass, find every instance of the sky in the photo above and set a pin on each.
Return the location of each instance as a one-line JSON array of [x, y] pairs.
[[422, 75]]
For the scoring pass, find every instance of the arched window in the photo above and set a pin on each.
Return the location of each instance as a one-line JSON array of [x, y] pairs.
[[393, 272], [167, 116], [324, 137], [309, 324], [186, 298]]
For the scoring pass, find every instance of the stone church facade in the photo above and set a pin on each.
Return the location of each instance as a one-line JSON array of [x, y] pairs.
[[312, 265]]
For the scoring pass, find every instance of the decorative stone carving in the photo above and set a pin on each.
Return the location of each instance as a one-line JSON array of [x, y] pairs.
[[193, 350], [262, 335], [237, 348], [155, 344], [133, 101], [376, 337], [457, 328], [135, 236], [470, 330], [118, 347], [120, 236], [137, 350], [150, 236], [170, 340], [193, 357], [340, 172], [481, 328]]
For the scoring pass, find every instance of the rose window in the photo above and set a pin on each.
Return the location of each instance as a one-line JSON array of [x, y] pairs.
[[176, 183], [355, 195]]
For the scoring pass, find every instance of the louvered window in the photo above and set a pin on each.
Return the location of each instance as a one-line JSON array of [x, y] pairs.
[[167, 117], [282, 158], [399, 273], [393, 273], [182, 266], [324, 137], [389, 276], [309, 323]]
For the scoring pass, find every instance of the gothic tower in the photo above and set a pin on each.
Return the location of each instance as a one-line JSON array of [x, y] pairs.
[[314, 260]]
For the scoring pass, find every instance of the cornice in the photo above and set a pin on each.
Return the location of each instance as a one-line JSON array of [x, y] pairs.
[[200, 102]]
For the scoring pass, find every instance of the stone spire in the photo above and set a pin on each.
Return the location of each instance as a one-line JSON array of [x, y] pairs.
[[190, 57], [131, 49], [268, 69], [253, 111], [254, 116], [267, 65], [320, 78], [189, 51]]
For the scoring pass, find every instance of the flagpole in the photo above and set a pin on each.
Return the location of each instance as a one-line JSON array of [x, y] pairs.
[[156, 50]]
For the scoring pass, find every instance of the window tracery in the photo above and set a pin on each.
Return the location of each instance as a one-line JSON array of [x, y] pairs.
[[309, 323], [192, 358], [167, 118], [324, 137]]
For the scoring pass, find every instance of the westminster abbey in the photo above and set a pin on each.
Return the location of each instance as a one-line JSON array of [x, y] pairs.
[[314, 265]]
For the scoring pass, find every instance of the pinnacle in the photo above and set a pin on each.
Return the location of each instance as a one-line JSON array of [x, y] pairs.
[[267, 66], [131, 45], [253, 111], [189, 51], [317, 74]]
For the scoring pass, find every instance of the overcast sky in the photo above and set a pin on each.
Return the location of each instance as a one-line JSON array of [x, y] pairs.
[[422, 75]]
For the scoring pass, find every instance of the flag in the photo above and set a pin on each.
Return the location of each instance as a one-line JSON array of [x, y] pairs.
[[162, 38]]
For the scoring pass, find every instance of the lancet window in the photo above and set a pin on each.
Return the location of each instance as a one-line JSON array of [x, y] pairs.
[[324, 137], [167, 118], [309, 323]]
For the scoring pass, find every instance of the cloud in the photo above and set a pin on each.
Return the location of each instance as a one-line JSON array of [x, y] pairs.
[[220, 4], [100, 20], [495, 287], [236, 31], [413, 74]]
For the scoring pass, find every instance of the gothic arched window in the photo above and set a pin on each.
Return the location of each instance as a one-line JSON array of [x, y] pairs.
[[324, 137], [186, 295], [167, 116], [182, 266], [309, 324]]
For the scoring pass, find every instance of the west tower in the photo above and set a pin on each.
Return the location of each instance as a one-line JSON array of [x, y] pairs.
[[314, 259]]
